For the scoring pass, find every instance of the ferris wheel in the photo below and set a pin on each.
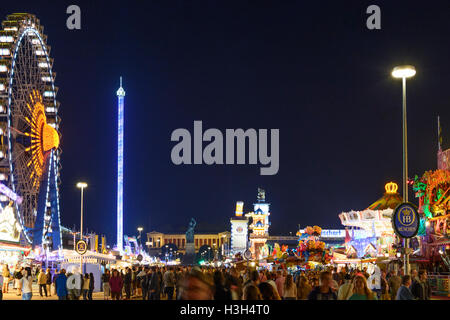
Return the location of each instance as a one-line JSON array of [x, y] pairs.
[[29, 130]]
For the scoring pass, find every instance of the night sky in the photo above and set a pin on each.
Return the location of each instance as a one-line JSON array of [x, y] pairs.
[[311, 69]]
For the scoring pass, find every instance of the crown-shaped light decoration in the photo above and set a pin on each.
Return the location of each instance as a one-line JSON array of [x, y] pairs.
[[406, 212], [391, 187]]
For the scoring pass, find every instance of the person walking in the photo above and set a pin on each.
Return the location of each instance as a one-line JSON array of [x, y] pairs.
[[18, 281], [61, 285], [140, 281], [346, 289], [48, 284], [105, 284], [6, 275], [279, 281], [116, 284], [91, 286], [384, 287], [169, 283], [1, 285], [289, 288], [361, 290], [394, 283], [27, 281], [420, 288], [155, 285], [323, 291], [42, 282], [303, 288], [127, 282], [85, 287], [220, 292], [404, 293]]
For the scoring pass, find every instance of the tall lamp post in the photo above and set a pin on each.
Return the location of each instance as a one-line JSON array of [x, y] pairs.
[[140, 241], [404, 72], [81, 185]]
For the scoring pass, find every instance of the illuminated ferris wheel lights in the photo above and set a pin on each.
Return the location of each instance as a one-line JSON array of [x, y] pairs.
[[2, 87], [2, 177], [3, 68], [43, 65], [11, 29], [47, 79], [6, 39], [49, 94], [5, 52], [39, 52]]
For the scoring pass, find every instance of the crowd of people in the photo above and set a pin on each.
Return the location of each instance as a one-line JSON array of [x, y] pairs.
[[204, 283]]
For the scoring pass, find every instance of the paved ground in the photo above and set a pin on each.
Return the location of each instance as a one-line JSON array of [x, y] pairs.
[[11, 295]]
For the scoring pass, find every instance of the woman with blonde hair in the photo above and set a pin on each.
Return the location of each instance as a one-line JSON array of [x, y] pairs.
[[303, 288], [289, 288], [360, 289]]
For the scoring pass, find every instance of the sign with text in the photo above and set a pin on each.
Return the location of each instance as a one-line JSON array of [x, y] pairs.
[[406, 220]]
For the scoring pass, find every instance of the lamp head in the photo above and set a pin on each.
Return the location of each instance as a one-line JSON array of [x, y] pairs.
[[81, 185], [406, 71], [140, 229]]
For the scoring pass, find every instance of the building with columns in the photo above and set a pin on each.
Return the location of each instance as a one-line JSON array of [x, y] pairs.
[[156, 240]]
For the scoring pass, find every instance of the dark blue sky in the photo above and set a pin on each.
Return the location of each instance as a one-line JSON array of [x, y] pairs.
[[313, 70]]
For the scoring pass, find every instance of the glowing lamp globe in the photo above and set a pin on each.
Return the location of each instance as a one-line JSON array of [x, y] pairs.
[[81, 185], [406, 71]]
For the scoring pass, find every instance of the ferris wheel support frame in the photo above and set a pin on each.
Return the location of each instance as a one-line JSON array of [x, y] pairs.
[[47, 213]]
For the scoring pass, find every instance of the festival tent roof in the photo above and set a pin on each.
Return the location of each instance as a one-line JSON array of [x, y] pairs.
[[387, 201]]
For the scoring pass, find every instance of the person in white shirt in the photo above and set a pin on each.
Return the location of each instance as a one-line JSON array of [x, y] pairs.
[[27, 282], [346, 289]]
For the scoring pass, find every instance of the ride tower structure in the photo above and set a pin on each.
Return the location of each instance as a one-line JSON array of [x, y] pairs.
[[121, 99]]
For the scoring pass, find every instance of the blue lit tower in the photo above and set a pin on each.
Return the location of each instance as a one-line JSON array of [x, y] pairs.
[[121, 98]]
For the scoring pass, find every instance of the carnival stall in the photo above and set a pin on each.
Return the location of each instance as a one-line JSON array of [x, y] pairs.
[[371, 234]]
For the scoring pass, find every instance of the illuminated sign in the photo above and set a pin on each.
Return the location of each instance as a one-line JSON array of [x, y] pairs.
[[10, 194], [406, 220], [81, 247], [239, 208], [238, 235]]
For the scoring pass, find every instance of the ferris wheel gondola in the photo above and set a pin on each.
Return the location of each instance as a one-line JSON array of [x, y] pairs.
[[29, 129]]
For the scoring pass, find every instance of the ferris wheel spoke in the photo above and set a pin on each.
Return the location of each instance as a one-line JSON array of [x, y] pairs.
[[31, 77]]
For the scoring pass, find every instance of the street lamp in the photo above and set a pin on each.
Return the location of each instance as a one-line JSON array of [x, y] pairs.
[[140, 241], [404, 72], [81, 185]]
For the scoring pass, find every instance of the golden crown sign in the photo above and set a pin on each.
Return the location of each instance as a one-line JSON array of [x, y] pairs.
[[391, 187]]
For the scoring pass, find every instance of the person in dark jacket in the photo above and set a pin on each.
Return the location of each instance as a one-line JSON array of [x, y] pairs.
[[144, 277], [220, 292], [61, 285], [404, 293], [127, 282], [154, 287], [91, 285], [324, 291], [420, 288]]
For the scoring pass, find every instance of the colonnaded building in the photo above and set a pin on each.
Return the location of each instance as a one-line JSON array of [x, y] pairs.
[[218, 241]]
